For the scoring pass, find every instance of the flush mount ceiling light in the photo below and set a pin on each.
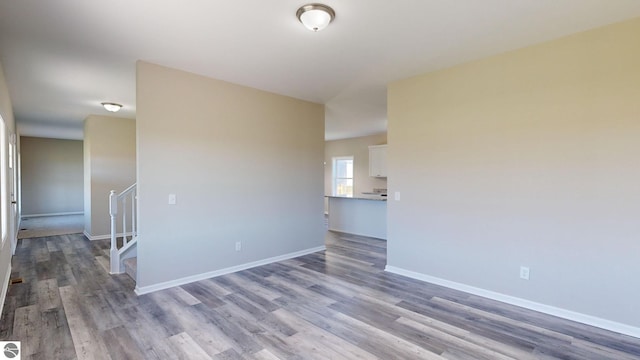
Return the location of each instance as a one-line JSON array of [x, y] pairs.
[[315, 17], [113, 107]]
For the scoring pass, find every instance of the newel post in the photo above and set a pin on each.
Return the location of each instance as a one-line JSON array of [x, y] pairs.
[[113, 212]]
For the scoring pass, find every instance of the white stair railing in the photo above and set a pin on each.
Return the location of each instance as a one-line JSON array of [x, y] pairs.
[[125, 204]]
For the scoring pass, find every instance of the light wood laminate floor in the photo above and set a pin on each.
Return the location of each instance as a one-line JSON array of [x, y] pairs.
[[337, 304], [41, 226]]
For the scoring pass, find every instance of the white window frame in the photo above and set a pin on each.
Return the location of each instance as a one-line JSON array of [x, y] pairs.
[[335, 178]]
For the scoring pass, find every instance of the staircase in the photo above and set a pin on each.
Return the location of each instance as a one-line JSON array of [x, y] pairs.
[[124, 234]]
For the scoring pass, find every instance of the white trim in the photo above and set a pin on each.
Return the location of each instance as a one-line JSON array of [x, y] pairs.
[[5, 288], [189, 279], [52, 214], [103, 237], [334, 177], [527, 304], [128, 245]]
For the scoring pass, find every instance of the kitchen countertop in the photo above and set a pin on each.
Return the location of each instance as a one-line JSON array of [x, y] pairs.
[[360, 197]]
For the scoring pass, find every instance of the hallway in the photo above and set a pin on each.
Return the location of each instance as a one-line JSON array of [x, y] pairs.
[[32, 227]]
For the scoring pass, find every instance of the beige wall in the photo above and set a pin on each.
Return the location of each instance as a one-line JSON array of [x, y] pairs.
[[526, 158], [6, 111], [246, 165], [52, 176], [359, 149], [110, 164]]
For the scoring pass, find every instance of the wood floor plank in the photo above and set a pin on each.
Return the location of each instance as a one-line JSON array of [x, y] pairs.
[[151, 313], [424, 320], [601, 351], [265, 322], [205, 292], [53, 245], [183, 296], [241, 340], [461, 308], [253, 287], [298, 291], [230, 354], [352, 333], [264, 354], [55, 337], [149, 333], [187, 348], [342, 287], [401, 348], [120, 344], [26, 326], [487, 329], [429, 325], [250, 296], [316, 338], [65, 246], [87, 342], [511, 328], [48, 295], [210, 339], [104, 262], [8, 313], [98, 311], [41, 253], [162, 350], [275, 345], [461, 344]]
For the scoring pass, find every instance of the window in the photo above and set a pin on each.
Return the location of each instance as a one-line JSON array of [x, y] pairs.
[[343, 176]]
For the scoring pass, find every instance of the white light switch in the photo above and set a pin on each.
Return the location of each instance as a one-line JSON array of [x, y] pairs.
[[396, 195], [172, 199]]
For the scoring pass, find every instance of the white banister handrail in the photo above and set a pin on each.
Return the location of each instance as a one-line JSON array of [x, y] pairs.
[[129, 224], [113, 211], [128, 190]]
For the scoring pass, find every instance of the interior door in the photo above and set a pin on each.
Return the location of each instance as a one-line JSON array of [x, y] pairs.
[[14, 219]]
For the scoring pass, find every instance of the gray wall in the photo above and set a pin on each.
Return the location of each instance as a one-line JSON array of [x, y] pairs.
[[526, 158], [246, 165], [52, 176], [110, 164]]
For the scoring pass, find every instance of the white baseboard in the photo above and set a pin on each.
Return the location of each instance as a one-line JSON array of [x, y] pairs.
[[141, 290], [527, 304], [5, 288], [103, 237], [52, 214]]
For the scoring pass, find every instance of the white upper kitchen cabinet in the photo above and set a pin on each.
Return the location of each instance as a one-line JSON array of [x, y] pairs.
[[378, 160]]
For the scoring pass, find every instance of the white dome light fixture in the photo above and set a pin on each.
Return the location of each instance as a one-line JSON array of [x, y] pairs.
[[315, 17], [113, 107]]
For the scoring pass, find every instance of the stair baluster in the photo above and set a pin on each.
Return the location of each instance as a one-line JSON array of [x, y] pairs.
[[129, 228]]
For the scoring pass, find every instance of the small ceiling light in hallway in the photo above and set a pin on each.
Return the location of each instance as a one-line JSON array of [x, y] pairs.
[[113, 107], [315, 17]]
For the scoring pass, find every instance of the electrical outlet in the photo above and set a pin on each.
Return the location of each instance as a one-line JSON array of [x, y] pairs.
[[524, 272], [238, 245], [397, 196], [172, 199]]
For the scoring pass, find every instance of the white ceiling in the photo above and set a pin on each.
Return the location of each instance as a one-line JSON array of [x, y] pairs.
[[62, 58]]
